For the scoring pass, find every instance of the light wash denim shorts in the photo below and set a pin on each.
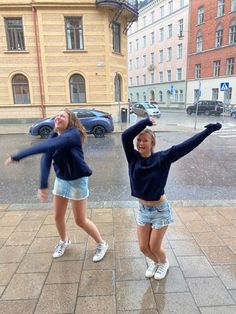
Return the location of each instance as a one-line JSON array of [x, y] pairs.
[[73, 190], [157, 216]]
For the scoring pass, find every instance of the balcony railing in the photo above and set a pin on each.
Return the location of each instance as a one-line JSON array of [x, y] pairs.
[[130, 5]]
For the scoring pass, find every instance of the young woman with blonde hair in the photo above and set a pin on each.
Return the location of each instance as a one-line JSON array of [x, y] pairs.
[[64, 148]]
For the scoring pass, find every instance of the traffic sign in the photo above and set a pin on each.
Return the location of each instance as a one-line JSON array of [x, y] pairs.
[[224, 86]]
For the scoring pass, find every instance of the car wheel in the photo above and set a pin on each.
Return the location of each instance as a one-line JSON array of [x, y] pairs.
[[44, 131], [233, 115], [99, 131], [207, 112], [189, 111]]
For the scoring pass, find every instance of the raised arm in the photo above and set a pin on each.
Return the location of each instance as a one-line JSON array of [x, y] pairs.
[[180, 150], [129, 134]]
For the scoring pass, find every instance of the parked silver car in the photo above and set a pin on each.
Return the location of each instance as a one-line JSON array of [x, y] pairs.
[[146, 109]]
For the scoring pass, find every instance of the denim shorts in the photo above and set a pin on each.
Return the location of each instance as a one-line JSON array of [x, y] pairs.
[[157, 216], [73, 190]]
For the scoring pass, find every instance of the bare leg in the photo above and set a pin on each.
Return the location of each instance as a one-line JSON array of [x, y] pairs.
[[144, 233], [156, 238], [60, 205], [79, 210]]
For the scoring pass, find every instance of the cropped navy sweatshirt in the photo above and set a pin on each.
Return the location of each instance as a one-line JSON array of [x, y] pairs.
[[148, 176], [66, 152]]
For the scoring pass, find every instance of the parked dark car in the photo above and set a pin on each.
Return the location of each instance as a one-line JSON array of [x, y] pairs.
[[233, 113], [95, 122], [207, 107], [146, 109]]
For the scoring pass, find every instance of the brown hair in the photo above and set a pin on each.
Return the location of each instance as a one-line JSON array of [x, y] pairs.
[[75, 122], [152, 135]]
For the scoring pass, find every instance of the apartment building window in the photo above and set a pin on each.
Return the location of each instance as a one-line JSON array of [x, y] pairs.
[[179, 74], [152, 38], [197, 70], [137, 80], [130, 46], [162, 11], [144, 79], [176, 96], [230, 66], [137, 96], [180, 27], [169, 54], [14, 34], [160, 56], [137, 44], [216, 68], [152, 78], [152, 16], [144, 61], [144, 96], [215, 93], [137, 62], [144, 21], [181, 95], [144, 42], [220, 8], [169, 30], [131, 81], [199, 42], [130, 64], [233, 5], [20, 88], [232, 33], [161, 77], [200, 15], [181, 3], [168, 74], [161, 34], [179, 51], [219, 36], [77, 89], [74, 33], [170, 6], [152, 58], [160, 96]]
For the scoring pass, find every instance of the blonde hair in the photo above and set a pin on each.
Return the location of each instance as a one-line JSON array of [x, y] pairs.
[[151, 134], [75, 122]]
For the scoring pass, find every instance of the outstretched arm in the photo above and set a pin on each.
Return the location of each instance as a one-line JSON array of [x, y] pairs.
[[129, 134], [180, 150]]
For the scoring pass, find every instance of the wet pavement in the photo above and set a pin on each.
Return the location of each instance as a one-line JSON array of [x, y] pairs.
[[201, 247]]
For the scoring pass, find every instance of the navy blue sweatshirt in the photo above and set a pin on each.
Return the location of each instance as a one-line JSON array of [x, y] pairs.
[[66, 152], [148, 176]]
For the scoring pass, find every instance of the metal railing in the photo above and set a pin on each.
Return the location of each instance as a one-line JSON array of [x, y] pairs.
[[129, 4]]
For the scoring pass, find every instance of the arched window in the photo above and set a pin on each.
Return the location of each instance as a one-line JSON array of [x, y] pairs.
[[137, 96], [20, 87], [77, 89], [219, 36], [160, 95], [131, 97], [152, 95], [232, 32], [117, 87], [144, 96], [199, 42]]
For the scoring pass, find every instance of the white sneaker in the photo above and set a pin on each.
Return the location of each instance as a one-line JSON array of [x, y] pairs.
[[101, 249], [162, 270], [151, 270], [60, 248]]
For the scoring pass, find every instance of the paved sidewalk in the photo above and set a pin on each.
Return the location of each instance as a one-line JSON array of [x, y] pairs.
[[201, 247]]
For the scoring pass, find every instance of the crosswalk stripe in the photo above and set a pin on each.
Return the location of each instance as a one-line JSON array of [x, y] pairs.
[[227, 136]]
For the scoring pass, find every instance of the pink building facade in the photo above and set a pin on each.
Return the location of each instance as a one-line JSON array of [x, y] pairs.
[[157, 48]]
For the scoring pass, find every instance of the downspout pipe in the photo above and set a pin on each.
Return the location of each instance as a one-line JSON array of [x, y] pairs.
[[43, 110]]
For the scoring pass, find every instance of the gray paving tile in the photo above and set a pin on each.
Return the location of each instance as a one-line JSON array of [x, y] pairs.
[[96, 304], [107, 263], [12, 254], [134, 295], [176, 303], [131, 269], [196, 266], [65, 272], [21, 238], [97, 283], [43, 245], [31, 283], [127, 250], [230, 309], [17, 306], [57, 298], [6, 232], [209, 292], [227, 274], [6, 272], [35, 263], [219, 255], [29, 225], [185, 247]]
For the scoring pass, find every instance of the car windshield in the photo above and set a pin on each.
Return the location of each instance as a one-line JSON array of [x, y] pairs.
[[149, 106]]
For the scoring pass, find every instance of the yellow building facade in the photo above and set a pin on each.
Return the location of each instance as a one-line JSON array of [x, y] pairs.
[[56, 54]]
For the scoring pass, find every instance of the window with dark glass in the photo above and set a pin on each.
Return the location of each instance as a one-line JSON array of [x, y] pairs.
[[232, 33], [230, 66], [220, 8], [20, 88], [116, 37], [200, 15], [14, 33], [216, 68], [197, 70], [74, 33], [219, 36], [199, 42], [77, 89], [117, 85]]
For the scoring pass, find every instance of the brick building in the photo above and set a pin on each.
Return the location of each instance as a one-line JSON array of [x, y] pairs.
[[212, 51]]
